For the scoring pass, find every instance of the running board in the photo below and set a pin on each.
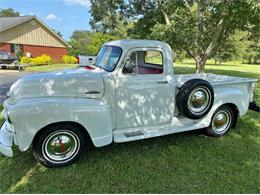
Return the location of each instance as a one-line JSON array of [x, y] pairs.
[[144, 133]]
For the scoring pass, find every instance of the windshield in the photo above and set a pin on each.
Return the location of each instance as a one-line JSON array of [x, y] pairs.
[[108, 57]]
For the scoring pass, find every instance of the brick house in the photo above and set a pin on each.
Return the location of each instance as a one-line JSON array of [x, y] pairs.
[[32, 36]]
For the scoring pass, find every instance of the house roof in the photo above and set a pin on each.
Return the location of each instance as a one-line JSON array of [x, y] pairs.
[[10, 22]]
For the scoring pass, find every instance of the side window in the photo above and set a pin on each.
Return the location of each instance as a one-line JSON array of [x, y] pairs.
[[144, 62], [153, 57]]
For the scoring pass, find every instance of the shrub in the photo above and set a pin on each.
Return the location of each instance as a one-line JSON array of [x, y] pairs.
[[25, 60], [67, 59], [41, 60]]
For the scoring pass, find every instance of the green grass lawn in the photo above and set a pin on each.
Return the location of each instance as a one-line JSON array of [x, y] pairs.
[[46, 68], [188, 162]]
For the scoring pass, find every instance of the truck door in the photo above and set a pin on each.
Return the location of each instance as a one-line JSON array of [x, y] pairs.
[[144, 92]]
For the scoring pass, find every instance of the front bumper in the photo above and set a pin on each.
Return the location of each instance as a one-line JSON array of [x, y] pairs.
[[6, 139]]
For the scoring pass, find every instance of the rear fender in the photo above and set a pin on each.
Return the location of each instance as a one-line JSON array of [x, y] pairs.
[[231, 96]]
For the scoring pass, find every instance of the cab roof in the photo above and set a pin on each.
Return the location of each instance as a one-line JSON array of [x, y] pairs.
[[135, 43]]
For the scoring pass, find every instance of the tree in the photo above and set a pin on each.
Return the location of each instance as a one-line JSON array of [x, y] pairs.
[[87, 42], [97, 40], [242, 46], [8, 12], [196, 26], [106, 19], [79, 41]]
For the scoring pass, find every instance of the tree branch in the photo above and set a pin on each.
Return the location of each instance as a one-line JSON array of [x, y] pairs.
[[190, 52], [200, 28], [218, 35], [166, 17]]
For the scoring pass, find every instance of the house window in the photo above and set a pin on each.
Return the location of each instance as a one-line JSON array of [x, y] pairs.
[[15, 48]]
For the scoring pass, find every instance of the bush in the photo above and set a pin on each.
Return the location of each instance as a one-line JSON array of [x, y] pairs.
[[41, 60], [67, 59], [25, 60]]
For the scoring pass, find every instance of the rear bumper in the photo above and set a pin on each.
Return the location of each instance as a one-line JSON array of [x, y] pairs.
[[254, 107], [6, 139]]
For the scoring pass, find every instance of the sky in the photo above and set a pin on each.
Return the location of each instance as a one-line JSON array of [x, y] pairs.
[[64, 16]]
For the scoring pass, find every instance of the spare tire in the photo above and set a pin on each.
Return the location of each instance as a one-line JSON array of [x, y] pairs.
[[195, 98]]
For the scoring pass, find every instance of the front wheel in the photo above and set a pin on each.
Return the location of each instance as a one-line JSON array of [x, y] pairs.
[[221, 122], [58, 145]]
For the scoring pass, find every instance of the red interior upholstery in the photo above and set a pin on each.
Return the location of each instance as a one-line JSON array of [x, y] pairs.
[[149, 70]]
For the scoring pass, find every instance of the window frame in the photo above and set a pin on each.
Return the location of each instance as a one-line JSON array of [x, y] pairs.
[[129, 52]]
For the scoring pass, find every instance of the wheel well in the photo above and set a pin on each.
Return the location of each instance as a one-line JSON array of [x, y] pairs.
[[81, 127], [236, 112]]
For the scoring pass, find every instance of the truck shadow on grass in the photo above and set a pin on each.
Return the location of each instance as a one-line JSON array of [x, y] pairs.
[[189, 162]]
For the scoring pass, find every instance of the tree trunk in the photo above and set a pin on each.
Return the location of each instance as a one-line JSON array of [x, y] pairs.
[[200, 64]]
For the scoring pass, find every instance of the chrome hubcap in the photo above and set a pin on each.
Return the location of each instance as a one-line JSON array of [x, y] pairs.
[[61, 146], [221, 121], [199, 100]]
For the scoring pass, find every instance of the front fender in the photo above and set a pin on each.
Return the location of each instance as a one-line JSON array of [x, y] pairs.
[[31, 115]]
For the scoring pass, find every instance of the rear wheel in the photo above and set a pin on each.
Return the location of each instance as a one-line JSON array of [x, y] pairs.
[[59, 145], [222, 121]]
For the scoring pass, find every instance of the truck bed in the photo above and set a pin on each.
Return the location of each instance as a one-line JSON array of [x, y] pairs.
[[213, 79]]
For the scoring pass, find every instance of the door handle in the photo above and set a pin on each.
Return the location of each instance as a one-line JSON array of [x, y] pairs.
[[92, 92], [162, 82]]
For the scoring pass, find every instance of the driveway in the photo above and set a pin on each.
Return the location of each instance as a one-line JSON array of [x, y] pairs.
[[7, 78]]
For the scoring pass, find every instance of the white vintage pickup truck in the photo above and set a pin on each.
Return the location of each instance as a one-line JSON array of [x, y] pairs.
[[131, 93]]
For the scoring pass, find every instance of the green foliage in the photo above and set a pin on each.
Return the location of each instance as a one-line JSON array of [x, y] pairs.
[[67, 59], [8, 12], [40, 60], [25, 60], [19, 52], [88, 43], [97, 40], [106, 20], [48, 68], [195, 26], [240, 46], [79, 41]]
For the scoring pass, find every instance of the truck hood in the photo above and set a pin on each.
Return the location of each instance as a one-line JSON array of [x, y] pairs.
[[78, 82]]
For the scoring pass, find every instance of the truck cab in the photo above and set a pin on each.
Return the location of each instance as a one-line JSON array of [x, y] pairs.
[[130, 93]]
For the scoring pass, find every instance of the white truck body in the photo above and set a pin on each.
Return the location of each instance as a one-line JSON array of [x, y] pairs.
[[112, 106]]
